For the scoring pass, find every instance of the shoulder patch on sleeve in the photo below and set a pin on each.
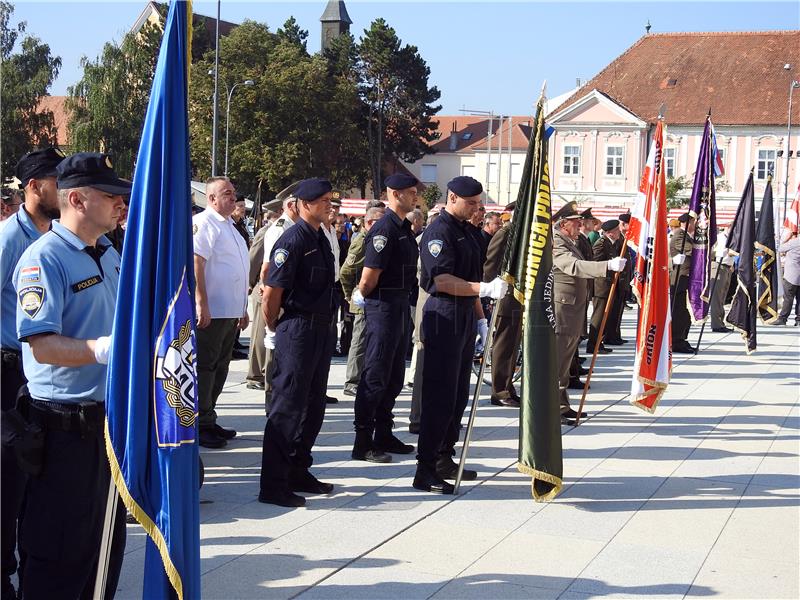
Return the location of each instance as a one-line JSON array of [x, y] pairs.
[[435, 247], [194, 228], [29, 275], [31, 299], [379, 242], [281, 254]]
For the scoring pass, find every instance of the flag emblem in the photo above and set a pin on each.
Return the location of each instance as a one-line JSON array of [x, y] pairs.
[[379, 242], [29, 275], [435, 247]]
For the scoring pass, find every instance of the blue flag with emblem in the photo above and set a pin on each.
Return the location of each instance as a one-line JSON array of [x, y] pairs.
[[151, 435]]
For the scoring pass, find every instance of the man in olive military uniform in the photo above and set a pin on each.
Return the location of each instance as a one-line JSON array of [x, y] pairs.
[[680, 248]]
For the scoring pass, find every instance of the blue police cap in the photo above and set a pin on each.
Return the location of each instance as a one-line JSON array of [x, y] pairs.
[[91, 169], [311, 189], [610, 225], [399, 181], [38, 165], [465, 186]]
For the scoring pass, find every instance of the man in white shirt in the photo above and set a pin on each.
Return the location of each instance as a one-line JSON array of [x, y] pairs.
[[221, 268]]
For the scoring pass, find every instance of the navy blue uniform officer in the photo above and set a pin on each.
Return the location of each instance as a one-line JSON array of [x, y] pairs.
[[387, 280], [66, 285], [451, 274], [298, 306]]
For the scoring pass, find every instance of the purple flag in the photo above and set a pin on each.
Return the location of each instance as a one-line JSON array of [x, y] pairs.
[[702, 207]]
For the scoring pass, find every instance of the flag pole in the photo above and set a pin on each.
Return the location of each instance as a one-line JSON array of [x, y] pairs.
[[106, 542], [600, 333], [710, 298], [471, 423]]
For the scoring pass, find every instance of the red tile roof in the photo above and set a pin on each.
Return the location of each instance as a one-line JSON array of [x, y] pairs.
[[739, 75], [478, 127]]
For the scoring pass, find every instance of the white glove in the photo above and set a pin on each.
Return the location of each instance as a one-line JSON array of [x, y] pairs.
[[483, 333], [358, 298], [102, 346], [678, 259], [617, 264], [495, 289], [269, 339]]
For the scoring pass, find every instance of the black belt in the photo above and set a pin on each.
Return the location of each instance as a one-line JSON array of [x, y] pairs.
[[312, 317], [82, 417], [451, 298]]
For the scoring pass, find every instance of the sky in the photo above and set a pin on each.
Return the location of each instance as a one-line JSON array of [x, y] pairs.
[[483, 56]]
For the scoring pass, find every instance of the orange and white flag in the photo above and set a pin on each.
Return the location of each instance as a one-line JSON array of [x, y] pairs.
[[648, 236], [792, 220]]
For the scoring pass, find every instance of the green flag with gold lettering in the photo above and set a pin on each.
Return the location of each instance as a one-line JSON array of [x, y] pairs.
[[527, 266]]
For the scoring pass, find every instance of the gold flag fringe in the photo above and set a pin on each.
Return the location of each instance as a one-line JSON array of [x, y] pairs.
[[542, 476]]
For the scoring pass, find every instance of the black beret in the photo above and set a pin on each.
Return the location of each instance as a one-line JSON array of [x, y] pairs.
[[625, 217], [311, 189], [399, 181], [38, 165], [684, 218], [587, 214], [91, 169], [568, 211], [510, 206], [610, 225], [465, 186]]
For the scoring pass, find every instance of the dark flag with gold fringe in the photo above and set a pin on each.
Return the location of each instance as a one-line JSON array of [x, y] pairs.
[[527, 266], [741, 243], [767, 279]]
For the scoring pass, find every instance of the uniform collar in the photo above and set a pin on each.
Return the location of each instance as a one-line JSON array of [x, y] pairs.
[[451, 220], [217, 216], [74, 241], [26, 223]]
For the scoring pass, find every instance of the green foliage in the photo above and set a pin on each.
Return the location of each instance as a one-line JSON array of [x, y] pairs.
[[675, 185], [431, 195], [108, 105], [26, 77]]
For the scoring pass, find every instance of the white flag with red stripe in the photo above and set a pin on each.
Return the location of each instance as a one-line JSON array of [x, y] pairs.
[[792, 220], [653, 363]]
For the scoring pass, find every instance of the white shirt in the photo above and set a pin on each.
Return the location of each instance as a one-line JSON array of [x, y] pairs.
[[227, 263], [330, 233], [722, 252], [275, 231]]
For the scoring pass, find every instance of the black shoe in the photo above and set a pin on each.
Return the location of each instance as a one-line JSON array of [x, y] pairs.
[[348, 392], [225, 434], [372, 455], [331, 400], [413, 428], [239, 355], [722, 329], [575, 384], [210, 439], [615, 341], [389, 443], [778, 322], [510, 402], [281, 498], [573, 414], [567, 421], [581, 359], [309, 484], [583, 371], [682, 347], [446, 468], [428, 480], [602, 350], [255, 385]]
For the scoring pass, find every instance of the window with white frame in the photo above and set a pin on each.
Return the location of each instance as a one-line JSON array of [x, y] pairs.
[[615, 160], [669, 162], [516, 172], [572, 160], [766, 163], [493, 172], [468, 170], [428, 174]]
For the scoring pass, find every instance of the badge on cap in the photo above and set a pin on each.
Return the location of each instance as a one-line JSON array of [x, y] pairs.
[[435, 247], [31, 299], [59, 152], [379, 242], [108, 163], [281, 255]]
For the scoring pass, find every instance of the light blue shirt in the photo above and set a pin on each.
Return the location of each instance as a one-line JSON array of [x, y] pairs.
[[18, 233], [62, 289]]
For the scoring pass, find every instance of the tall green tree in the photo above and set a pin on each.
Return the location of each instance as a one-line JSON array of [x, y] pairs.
[[108, 105], [25, 77], [400, 104]]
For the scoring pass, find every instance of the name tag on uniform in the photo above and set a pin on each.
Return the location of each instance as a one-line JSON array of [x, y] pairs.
[[86, 283], [310, 252], [459, 239]]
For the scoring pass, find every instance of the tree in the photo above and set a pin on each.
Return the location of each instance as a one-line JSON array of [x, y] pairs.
[[431, 195], [26, 77], [108, 105], [675, 185], [393, 82]]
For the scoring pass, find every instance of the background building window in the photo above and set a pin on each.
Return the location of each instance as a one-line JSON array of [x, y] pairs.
[[468, 170], [572, 160], [669, 162], [493, 172], [766, 164], [428, 174], [615, 156], [516, 172]]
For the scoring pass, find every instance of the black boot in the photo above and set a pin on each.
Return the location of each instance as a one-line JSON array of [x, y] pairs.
[[448, 469], [428, 480], [386, 441], [363, 448]]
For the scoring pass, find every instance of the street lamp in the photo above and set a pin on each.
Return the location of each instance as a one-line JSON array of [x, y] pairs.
[[248, 83], [794, 84]]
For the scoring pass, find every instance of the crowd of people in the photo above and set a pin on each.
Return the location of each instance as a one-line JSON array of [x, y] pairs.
[[377, 289]]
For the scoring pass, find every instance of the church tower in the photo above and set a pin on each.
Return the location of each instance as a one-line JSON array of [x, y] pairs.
[[335, 22]]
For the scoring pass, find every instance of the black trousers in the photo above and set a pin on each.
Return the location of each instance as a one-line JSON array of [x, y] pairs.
[[791, 295], [599, 307], [388, 330], [681, 319], [302, 360], [214, 349], [449, 328], [62, 525], [12, 479]]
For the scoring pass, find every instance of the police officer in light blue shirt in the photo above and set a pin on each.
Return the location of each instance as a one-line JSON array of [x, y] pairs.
[[36, 172], [66, 286]]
